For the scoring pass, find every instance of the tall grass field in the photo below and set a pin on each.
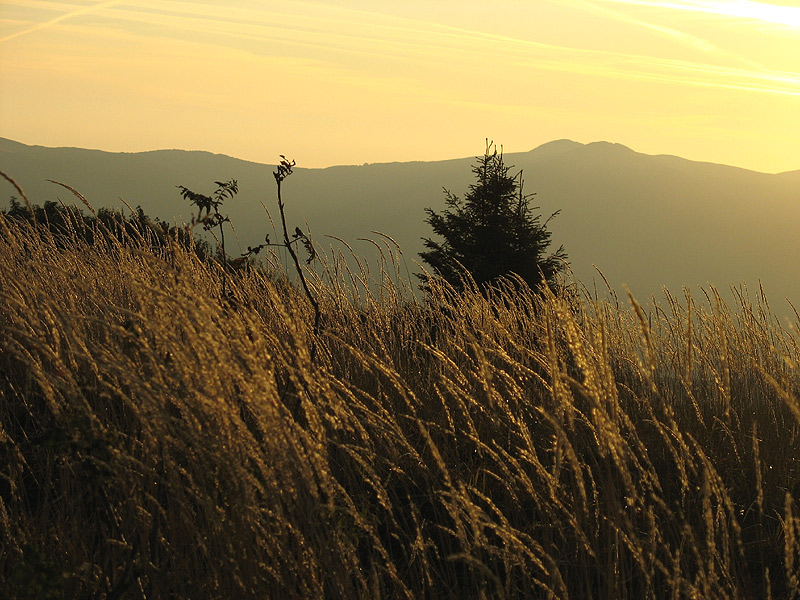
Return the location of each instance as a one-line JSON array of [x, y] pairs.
[[162, 440]]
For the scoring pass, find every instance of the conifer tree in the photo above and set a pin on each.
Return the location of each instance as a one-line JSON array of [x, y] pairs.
[[491, 232]]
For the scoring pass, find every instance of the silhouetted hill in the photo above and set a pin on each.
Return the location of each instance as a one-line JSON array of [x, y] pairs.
[[556, 148], [645, 221]]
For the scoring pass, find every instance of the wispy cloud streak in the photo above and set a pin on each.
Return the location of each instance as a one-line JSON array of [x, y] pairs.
[[748, 9], [332, 34], [351, 38], [63, 17], [668, 32]]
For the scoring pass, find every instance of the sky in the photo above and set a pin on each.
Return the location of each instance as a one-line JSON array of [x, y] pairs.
[[353, 81]]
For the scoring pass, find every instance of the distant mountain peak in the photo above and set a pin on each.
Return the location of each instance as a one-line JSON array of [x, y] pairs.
[[645, 220], [560, 147], [557, 147], [609, 147]]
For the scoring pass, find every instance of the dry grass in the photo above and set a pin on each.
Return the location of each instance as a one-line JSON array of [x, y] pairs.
[[158, 441]]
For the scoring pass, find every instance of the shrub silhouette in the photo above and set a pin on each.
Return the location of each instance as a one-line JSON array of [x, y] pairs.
[[68, 222], [214, 219]]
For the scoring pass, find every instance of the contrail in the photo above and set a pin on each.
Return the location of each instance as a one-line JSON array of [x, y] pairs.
[[60, 18]]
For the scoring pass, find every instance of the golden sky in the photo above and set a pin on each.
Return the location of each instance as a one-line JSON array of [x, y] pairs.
[[353, 81]]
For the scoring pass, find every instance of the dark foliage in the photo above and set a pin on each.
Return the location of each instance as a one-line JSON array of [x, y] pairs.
[[211, 220], [64, 221], [491, 232]]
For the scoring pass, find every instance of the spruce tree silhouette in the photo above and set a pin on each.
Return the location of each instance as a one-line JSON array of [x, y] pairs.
[[491, 232]]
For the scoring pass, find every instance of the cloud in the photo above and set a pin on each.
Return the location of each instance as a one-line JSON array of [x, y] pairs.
[[748, 9], [68, 15], [668, 32], [354, 43]]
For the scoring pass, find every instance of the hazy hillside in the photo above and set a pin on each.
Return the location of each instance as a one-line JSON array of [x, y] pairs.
[[645, 221]]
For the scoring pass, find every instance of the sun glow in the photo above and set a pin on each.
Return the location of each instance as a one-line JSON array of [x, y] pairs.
[[353, 81], [748, 9]]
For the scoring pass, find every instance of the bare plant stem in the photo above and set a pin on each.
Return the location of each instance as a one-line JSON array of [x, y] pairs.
[[299, 269], [224, 255]]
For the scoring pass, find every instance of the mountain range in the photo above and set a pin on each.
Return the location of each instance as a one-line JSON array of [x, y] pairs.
[[646, 222]]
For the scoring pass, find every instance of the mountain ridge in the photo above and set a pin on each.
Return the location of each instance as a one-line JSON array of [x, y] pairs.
[[569, 145], [646, 221]]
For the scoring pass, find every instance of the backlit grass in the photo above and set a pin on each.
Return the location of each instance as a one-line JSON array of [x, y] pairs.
[[161, 441]]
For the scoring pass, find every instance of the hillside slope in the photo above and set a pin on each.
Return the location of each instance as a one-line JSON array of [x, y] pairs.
[[645, 221]]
